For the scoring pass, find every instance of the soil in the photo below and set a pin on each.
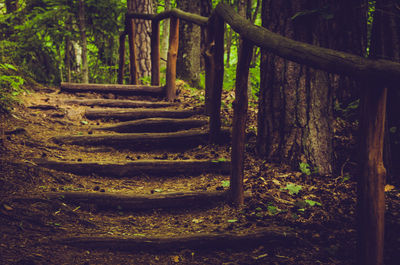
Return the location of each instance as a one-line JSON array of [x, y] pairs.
[[318, 210]]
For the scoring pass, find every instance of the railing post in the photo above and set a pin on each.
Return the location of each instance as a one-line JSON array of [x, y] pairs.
[[171, 59], [155, 52], [215, 80], [121, 68], [132, 52], [239, 122]]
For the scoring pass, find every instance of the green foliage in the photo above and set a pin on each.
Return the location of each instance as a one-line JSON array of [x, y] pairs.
[[292, 188], [10, 86], [305, 168], [225, 183]]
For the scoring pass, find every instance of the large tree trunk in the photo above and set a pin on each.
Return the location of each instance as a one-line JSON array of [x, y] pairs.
[[188, 64], [143, 28], [82, 29], [295, 111]]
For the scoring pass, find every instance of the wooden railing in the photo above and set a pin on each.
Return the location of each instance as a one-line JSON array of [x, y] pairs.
[[383, 73]]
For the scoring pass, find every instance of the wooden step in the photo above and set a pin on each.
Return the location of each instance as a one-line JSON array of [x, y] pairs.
[[114, 88], [145, 141], [269, 237], [130, 202], [119, 103], [155, 125], [135, 168], [135, 114]]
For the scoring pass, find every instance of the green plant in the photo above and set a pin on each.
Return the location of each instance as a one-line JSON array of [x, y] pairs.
[[292, 188], [11, 86], [305, 168]]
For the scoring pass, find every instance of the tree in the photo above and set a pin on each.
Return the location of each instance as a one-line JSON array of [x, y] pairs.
[[296, 102], [143, 28], [188, 63], [82, 30]]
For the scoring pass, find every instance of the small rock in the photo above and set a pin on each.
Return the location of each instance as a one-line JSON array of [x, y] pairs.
[[79, 160], [96, 188]]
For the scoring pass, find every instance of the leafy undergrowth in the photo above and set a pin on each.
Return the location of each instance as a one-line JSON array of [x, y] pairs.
[[321, 209]]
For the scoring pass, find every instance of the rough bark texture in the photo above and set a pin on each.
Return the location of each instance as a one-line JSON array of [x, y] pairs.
[[188, 64], [142, 40], [295, 113], [82, 29]]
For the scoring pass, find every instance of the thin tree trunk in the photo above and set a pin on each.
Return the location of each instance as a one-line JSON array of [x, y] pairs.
[[188, 65], [82, 29], [165, 36]]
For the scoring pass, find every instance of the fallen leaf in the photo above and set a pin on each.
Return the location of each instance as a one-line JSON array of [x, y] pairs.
[[197, 221], [389, 188], [7, 207], [175, 259]]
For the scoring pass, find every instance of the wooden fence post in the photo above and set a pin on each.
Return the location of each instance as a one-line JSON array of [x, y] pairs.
[[121, 68], [132, 52], [371, 190], [239, 122], [171, 59], [217, 78], [155, 52]]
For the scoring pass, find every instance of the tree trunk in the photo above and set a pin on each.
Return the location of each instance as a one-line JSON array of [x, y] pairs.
[[188, 64], [82, 29], [295, 111], [165, 36], [371, 194], [142, 40]]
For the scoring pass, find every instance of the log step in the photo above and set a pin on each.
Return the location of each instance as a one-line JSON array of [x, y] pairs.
[[119, 103], [268, 237], [145, 141], [135, 168], [129, 202], [135, 114], [114, 88], [155, 125]]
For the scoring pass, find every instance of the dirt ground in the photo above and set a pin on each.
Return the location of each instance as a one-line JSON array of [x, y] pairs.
[[319, 209]]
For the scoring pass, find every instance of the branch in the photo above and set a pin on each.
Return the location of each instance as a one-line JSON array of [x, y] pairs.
[[314, 56], [194, 18]]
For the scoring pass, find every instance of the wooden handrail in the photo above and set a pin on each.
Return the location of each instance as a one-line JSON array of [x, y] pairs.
[[175, 12], [329, 60]]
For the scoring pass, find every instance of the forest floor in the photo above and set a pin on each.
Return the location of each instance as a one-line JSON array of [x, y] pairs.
[[318, 210]]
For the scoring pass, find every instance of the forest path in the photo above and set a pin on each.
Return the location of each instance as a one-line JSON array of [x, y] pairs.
[[150, 182]]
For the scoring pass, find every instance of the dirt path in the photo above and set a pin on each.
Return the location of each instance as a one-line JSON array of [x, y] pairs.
[[92, 178]]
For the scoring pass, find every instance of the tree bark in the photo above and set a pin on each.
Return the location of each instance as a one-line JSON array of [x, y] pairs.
[[82, 29], [165, 36], [295, 111], [133, 63], [214, 74], [172, 58], [119, 103], [142, 38], [111, 88], [371, 194], [188, 63], [239, 122]]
